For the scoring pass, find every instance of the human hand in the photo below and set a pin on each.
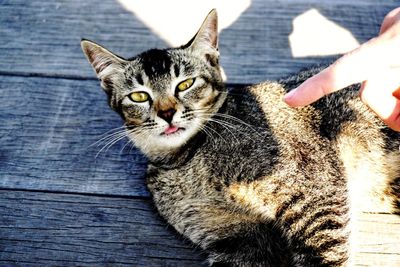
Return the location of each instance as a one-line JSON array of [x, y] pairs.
[[376, 64]]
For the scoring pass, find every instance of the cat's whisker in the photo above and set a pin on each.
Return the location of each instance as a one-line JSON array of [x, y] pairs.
[[225, 126], [205, 112], [223, 123], [127, 144], [107, 135], [110, 137], [230, 117], [114, 129], [142, 132], [206, 130], [130, 142], [239, 121], [109, 141], [116, 140], [210, 129], [113, 141]]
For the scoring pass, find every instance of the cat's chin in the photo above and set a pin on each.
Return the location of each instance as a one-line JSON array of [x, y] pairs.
[[168, 141], [174, 137]]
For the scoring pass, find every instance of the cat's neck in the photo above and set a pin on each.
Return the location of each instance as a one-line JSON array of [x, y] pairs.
[[170, 159]]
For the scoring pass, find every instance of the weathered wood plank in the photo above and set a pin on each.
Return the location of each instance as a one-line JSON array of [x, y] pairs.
[[378, 238], [48, 128], [57, 229], [43, 36], [69, 229]]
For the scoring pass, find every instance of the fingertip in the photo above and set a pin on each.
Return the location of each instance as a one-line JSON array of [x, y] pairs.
[[296, 98], [289, 97], [302, 95]]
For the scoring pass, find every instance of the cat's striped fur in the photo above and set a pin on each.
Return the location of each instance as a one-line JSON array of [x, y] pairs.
[[239, 173]]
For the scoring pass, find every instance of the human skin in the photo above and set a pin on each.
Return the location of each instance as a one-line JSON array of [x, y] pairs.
[[375, 64]]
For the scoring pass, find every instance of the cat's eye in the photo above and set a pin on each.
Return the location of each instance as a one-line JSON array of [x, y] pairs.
[[186, 84], [139, 96]]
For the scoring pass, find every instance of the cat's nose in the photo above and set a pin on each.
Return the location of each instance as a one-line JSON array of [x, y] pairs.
[[166, 115]]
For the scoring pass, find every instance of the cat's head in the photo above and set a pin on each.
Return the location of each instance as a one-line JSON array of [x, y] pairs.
[[164, 96]]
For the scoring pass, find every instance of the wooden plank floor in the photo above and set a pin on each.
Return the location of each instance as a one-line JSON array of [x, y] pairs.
[[63, 200]]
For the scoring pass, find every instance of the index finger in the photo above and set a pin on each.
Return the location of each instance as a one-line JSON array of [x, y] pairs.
[[354, 67]]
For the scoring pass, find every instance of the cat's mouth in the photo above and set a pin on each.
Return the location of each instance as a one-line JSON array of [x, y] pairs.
[[172, 129]]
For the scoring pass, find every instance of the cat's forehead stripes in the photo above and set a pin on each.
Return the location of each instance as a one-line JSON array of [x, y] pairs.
[[155, 62], [177, 70], [139, 79], [168, 62]]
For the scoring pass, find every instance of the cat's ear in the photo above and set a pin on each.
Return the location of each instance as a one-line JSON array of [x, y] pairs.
[[205, 41], [104, 62]]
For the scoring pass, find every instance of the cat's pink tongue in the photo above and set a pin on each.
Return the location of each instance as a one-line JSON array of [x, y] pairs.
[[171, 129]]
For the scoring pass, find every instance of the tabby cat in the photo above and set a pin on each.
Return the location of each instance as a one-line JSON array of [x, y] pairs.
[[245, 177]]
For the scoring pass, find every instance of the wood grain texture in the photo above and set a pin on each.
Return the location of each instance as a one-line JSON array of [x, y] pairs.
[[43, 36], [378, 237], [48, 133], [70, 230]]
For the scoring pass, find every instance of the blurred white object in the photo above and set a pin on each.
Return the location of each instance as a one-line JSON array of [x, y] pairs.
[[315, 35], [177, 21]]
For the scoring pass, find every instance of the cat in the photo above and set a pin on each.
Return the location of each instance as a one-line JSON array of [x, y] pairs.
[[248, 179]]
